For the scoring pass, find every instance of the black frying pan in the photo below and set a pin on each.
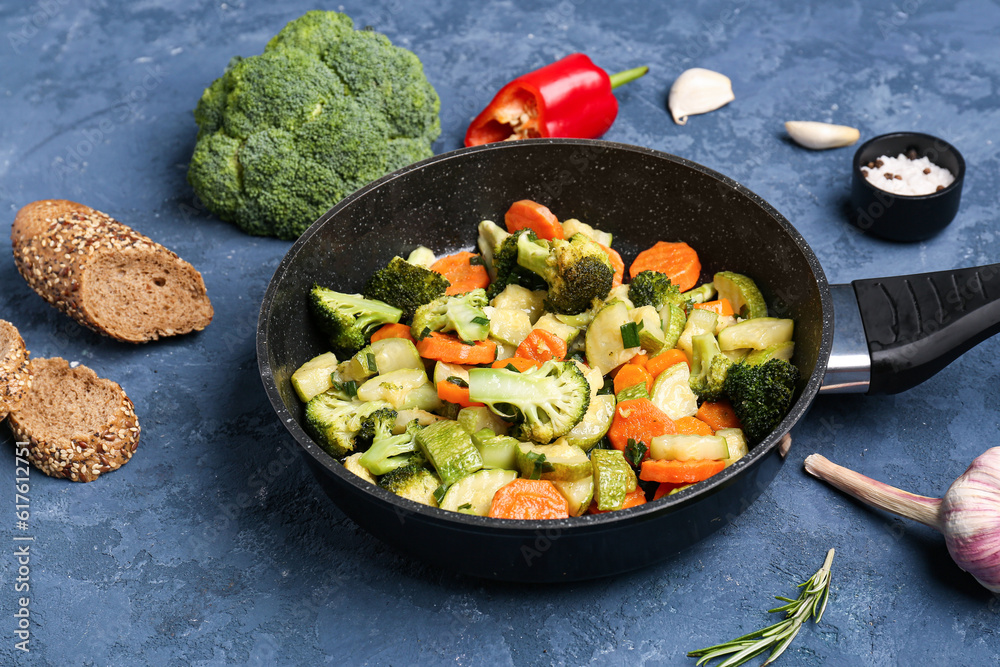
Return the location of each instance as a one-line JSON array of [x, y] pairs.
[[641, 196]]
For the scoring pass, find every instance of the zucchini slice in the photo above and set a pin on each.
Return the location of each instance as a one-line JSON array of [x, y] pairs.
[[313, 377], [759, 333], [684, 447], [578, 494], [672, 392], [613, 478], [595, 422], [742, 294], [474, 493], [562, 461]]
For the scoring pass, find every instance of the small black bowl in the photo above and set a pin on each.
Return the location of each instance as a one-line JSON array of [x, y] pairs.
[[905, 217]]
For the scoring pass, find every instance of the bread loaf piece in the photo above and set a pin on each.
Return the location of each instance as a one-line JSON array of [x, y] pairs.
[[105, 275], [76, 424], [14, 377]]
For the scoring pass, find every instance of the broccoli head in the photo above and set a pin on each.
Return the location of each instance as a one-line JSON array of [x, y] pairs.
[[505, 267], [413, 481], [325, 109], [576, 271], [461, 313], [544, 402], [652, 288], [349, 319], [709, 367], [405, 286], [335, 422], [761, 395], [387, 451]]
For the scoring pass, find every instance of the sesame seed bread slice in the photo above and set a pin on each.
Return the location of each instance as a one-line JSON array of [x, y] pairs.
[[76, 424], [105, 275], [14, 377]]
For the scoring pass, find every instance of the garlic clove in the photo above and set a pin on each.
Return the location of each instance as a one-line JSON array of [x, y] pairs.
[[698, 91], [820, 136]]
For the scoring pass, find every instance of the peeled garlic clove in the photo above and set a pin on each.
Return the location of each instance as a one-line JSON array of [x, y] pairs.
[[699, 91], [819, 136]]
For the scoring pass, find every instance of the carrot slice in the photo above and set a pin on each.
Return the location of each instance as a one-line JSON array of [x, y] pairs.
[[664, 360], [529, 499], [541, 345], [638, 419], [520, 364], [679, 472], [464, 270], [665, 488], [449, 349], [453, 393], [720, 307], [393, 330], [532, 215], [640, 359], [718, 414], [693, 426], [616, 263], [677, 260], [634, 499], [630, 375]]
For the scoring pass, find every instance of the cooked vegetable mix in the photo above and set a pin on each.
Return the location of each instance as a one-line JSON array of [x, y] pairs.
[[523, 382]]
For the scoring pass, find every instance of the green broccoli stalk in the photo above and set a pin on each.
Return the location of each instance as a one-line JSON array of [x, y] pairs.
[[405, 286], [506, 269], [761, 395], [461, 313], [333, 422], [490, 236], [387, 451], [652, 288], [576, 271], [324, 110], [349, 320], [544, 402], [709, 367]]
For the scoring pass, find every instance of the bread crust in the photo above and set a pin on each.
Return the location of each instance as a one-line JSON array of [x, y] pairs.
[[56, 241], [15, 380], [85, 456]]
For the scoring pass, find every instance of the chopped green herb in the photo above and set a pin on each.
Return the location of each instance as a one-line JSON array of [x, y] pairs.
[[439, 492], [635, 452], [372, 366], [457, 381], [538, 465], [349, 387], [480, 320], [476, 260], [512, 367]]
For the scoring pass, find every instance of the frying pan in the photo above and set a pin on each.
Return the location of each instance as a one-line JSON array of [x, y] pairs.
[[892, 333]]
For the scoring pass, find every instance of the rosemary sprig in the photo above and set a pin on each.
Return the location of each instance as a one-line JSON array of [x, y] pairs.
[[810, 603]]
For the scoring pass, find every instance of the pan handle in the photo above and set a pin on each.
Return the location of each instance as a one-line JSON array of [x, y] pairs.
[[918, 324]]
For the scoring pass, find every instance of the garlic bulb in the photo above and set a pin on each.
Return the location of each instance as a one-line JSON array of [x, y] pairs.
[[968, 515], [819, 136], [698, 91]]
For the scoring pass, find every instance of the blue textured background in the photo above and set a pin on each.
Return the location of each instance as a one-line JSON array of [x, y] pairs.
[[215, 546]]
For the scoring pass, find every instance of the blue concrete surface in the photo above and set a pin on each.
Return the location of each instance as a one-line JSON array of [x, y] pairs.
[[214, 545]]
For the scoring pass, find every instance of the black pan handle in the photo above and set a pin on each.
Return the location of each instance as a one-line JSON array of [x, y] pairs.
[[918, 324]]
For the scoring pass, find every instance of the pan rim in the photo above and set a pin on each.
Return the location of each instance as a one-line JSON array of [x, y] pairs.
[[585, 523]]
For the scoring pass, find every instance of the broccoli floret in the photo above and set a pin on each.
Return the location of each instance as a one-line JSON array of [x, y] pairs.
[[412, 481], [334, 422], [709, 367], [461, 313], [761, 395], [576, 271], [322, 111], [507, 270], [387, 451], [544, 402], [349, 319], [652, 288], [406, 286]]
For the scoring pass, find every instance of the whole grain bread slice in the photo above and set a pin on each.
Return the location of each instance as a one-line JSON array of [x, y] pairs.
[[76, 425], [14, 377], [105, 275]]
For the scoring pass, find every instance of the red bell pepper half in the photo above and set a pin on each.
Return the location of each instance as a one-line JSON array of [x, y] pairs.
[[570, 98]]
